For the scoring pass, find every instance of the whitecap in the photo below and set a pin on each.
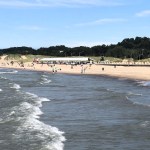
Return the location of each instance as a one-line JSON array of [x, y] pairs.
[[11, 113], [7, 116], [136, 94], [1, 90], [15, 71], [45, 81], [145, 124], [16, 86], [9, 72], [44, 76], [30, 127], [31, 94], [34, 111], [109, 90], [144, 83], [137, 103], [50, 137], [38, 100], [43, 99], [3, 78]]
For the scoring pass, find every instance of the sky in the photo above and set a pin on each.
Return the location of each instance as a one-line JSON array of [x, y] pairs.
[[45, 23]]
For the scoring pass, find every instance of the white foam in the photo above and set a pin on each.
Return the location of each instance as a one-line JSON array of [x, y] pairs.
[[136, 94], [44, 99], [37, 99], [51, 137], [10, 72], [16, 86], [109, 90], [7, 116], [145, 124], [45, 80], [32, 95], [1, 90], [15, 71], [28, 114], [44, 76], [144, 83], [34, 111], [3, 78], [137, 103], [11, 113]]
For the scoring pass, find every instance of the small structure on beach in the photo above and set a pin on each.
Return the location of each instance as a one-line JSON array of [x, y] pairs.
[[66, 60]]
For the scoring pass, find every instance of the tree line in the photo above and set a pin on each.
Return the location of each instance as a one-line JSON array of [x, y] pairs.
[[136, 48]]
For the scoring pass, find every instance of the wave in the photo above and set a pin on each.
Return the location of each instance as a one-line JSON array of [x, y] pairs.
[[144, 83], [145, 124], [6, 116], [44, 76], [31, 94], [3, 78], [16, 86], [137, 103], [45, 81], [9, 72], [28, 113], [111, 90], [37, 99], [135, 94], [122, 79], [1, 90]]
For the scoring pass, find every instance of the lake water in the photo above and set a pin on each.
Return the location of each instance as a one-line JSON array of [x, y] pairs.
[[42, 111]]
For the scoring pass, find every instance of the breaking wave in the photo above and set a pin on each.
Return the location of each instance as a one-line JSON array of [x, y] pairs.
[[16, 86], [50, 138]]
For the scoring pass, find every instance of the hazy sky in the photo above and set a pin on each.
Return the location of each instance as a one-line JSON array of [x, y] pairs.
[[44, 23]]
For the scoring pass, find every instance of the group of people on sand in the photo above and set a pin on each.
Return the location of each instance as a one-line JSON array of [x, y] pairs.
[[54, 68], [83, 68]]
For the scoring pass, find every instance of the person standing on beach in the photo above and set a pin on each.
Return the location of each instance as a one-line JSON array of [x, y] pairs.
[[82, 68]]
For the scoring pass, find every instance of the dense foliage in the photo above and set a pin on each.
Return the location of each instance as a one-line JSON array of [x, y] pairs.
[[137, 48]]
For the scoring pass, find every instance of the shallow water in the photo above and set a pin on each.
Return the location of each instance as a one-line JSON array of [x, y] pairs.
[[42, 111]]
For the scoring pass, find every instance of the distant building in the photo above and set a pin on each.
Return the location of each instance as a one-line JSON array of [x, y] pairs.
[[68, 60]]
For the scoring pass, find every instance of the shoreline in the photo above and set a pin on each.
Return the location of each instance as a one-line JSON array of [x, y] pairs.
[[128, 72]]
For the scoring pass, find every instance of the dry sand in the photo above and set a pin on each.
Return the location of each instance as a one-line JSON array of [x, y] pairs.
[[130, 72]]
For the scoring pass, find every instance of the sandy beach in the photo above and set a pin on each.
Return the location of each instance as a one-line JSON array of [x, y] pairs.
[[130, 72]]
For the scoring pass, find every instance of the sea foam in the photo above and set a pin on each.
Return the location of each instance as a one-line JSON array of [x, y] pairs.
[[135, 94], [145, 124], [144, 83], [137, 103], [45, 81], [50, 137], [38, 100], [16, 86], [9, 72]]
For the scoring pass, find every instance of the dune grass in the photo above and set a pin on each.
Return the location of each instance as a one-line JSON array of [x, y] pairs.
[[30, 58], [22, 58]]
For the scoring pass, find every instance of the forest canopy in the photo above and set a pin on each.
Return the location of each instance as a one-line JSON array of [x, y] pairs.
[[136, 48]]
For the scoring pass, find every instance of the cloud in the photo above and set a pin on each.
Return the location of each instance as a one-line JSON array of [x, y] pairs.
[[101, 22], [58, 3], [144, 13], [20, 3], [31, 28]]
